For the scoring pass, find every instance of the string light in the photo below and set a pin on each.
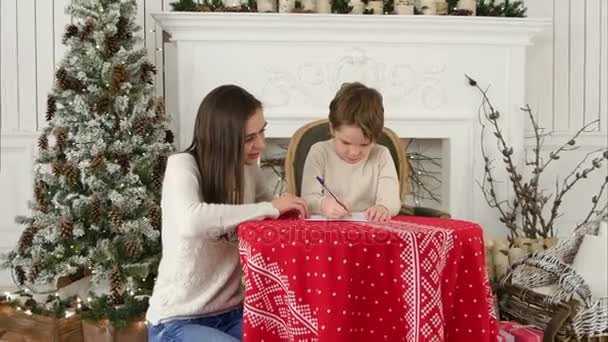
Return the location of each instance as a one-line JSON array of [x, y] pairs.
[[28, 312], [56, 294], [68, 314], [89, 299], [8, 295]]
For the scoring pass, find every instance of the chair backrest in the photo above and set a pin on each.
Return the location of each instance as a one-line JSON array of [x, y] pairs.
[[306, 136]]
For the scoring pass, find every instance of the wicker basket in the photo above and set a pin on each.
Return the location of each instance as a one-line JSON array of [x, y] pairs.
[[569, 313]]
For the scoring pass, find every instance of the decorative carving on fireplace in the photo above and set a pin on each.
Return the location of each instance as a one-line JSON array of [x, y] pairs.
[[399, 82]]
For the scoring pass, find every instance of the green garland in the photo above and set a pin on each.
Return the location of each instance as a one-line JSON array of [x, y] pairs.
[[100, 308], [507, 8]]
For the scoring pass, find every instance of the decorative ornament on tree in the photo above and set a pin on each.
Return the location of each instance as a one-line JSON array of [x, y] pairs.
[[124, 163], [61, 138], [119, 76], [102, 105], [43, 142], [97, 163], [154, 216], [87, 29], [51, 107], [27, 237], [70, 171], [67, 82], [96, 210], [116, 289], [40, 193], [148, 70], [141, 124], [132, 248], [57, 168], [70, 31], [116, 216], [66, 228]]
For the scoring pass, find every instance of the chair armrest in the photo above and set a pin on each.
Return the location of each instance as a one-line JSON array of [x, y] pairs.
[[422, 211]]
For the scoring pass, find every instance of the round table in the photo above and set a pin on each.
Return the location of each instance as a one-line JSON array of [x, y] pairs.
[[410, 279]]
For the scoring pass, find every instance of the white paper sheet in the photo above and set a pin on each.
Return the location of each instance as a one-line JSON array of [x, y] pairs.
[[354, 217]]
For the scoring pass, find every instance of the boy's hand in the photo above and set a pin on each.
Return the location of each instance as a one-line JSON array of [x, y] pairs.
[[377, 213], [332, 209]]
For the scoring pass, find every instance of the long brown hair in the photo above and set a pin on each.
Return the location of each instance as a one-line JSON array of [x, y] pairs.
[[218, 142]]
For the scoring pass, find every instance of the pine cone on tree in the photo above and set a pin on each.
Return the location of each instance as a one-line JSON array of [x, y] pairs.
[[66, 228], [154, 215], [141, 124], [119, 75], [70, 172], [124, 163], [158, 172], [112, 45], [122, 30], [96, 209], [97, 163], [70, 31], [20, 275], [87, 29], [41, 195], [43, 142], [61, 138], [116, 216], [67, 82], [34, 272], [132, 248], [160, 109], [102, 105], [51, 107], [148, 70], [116, 124], [26, 239], [116, 285], [57, 167], [169, 137]]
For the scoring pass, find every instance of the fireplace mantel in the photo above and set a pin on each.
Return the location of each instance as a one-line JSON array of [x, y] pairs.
[[193, 26], [295, 62]]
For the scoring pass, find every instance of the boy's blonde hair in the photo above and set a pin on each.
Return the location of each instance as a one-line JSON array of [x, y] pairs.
[[359, 105]]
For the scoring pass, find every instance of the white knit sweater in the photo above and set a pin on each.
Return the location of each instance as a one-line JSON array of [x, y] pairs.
[[199, 274]]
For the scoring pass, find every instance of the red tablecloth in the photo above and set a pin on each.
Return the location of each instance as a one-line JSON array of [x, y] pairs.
[[411, 279]]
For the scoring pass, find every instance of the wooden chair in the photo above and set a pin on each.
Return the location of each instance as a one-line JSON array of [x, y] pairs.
[[308, 135]]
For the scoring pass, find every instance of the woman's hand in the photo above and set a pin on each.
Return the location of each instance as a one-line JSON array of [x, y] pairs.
[[377, 213], [332, 209], [288, 202]]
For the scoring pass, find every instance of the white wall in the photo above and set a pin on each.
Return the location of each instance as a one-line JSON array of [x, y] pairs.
[[30, 47], [567, 86]]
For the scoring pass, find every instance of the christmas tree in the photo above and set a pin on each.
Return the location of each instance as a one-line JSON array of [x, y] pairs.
[[100, 163]]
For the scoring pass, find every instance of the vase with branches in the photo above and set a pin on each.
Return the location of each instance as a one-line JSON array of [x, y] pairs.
[[532, 210]]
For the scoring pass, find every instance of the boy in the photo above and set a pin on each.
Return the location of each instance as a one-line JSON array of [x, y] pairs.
[[359, 172]]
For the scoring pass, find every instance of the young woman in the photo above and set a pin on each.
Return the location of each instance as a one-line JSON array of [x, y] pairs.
[[207, 191]]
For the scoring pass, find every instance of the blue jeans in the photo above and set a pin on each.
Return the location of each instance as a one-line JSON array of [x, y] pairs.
[[226, 327]]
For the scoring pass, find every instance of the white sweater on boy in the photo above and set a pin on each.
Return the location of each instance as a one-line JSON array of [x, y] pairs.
[[364, 184]]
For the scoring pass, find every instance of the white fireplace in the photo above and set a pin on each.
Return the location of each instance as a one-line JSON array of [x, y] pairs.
[[295, 62]]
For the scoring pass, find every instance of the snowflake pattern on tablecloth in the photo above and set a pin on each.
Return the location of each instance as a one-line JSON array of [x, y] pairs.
[[434, 243], [270, 290]]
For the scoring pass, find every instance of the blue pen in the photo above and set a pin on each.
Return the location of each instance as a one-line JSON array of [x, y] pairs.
[[322, 182]]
